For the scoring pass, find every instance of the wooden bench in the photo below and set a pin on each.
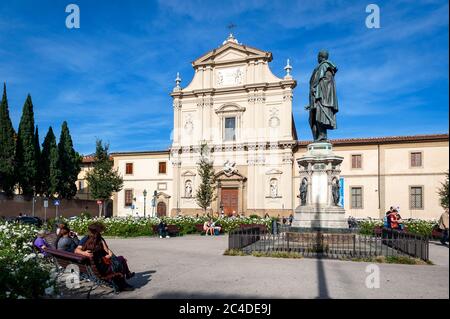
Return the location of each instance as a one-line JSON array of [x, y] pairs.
[[87, 269], [172, 230], [199, 228]]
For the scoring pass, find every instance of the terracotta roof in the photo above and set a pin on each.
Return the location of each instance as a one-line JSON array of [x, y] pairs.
[[140, 153], [87, 159], [343, 141], [385, 140]]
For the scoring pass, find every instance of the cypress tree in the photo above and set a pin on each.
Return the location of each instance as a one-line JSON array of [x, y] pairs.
[[37, 148], [49, 164], [7, 147], [68, 163], [26, 165]]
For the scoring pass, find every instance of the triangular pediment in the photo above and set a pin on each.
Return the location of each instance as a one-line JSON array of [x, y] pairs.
[[230, 55], [232, 52], [188, 173]]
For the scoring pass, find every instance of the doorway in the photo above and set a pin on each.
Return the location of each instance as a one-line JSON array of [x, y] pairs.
[[161, 209], [229, 200]]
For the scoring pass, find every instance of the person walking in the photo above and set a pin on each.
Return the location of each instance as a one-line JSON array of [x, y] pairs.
[[443, 225]]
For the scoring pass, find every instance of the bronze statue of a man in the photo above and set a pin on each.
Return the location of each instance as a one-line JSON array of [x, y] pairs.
[[323, 104]]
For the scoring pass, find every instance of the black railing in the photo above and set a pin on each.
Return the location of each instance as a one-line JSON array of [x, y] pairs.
[[330, 245], [409, 244], [243, 237]]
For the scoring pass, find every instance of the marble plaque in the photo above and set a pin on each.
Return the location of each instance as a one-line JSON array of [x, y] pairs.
[[230, 76]]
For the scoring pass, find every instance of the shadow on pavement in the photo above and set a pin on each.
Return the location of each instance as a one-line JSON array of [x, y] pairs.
[[141, 278], [199, 295], [321, 280]]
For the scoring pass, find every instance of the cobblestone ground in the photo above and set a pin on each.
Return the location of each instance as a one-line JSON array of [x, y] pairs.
[[194, 267]]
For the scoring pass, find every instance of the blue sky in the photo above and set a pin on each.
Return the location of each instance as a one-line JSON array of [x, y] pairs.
[[111, 78]]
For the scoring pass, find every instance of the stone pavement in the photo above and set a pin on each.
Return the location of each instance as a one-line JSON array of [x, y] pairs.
[[193, 266]]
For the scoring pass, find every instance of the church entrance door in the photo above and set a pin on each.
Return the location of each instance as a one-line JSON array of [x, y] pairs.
[[161, 209], [229, 200]]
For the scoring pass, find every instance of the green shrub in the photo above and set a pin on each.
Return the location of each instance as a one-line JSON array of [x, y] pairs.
[[367, 227], [139, 226], [420, 227]]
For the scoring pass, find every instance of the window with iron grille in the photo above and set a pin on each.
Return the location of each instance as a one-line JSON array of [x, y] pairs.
[[129, 168], [416, 197], [357, 161], [162, 168], [128, 197], [356, 196], [416, 159]]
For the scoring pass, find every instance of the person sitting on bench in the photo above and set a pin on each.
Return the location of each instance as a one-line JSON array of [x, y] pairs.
[[65, 241], [163, 229], [95, 247], [208, 227], [40, 243]]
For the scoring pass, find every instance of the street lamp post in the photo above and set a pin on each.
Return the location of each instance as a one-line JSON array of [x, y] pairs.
[[145, 196], [155, 195]]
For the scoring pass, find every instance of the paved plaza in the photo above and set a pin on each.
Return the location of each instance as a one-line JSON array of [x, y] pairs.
[[193, 266]]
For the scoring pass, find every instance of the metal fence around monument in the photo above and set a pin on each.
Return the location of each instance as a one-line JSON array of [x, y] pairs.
[[330, 245]]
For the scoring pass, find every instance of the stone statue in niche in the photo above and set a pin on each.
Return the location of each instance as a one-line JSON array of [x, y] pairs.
[[303, 191], [273, 188], [335, 187], [188, 189]]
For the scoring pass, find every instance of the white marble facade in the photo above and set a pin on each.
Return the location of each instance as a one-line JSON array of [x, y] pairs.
[[243, 112]]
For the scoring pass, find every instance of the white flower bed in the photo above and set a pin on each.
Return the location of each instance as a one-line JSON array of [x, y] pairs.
[[23, 272]]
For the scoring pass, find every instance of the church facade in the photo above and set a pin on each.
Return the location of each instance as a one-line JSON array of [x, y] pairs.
[[242, 112]]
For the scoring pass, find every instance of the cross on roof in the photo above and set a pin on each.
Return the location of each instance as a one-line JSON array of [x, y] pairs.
[[231, 26]]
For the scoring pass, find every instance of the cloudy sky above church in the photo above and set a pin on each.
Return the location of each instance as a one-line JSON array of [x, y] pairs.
[[111, 78]]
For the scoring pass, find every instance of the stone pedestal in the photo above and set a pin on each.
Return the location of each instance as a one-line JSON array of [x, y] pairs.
[[320, 168]]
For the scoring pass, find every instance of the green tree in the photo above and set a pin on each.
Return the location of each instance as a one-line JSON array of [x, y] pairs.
[[444, 192], [69, 164], [7, 147], [103, 180], [37, 147], [26, 165], [205, 192], [49, 164]]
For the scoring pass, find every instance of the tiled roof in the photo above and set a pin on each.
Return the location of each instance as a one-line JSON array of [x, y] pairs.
[[385, 140], [343, 141]]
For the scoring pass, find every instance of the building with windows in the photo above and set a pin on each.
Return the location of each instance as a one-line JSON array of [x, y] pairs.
[[242, 112]]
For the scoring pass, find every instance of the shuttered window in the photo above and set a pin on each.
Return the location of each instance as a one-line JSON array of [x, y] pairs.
[[162, 168], [129, 168], [128, 197], [357, 161], [416, 159]]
